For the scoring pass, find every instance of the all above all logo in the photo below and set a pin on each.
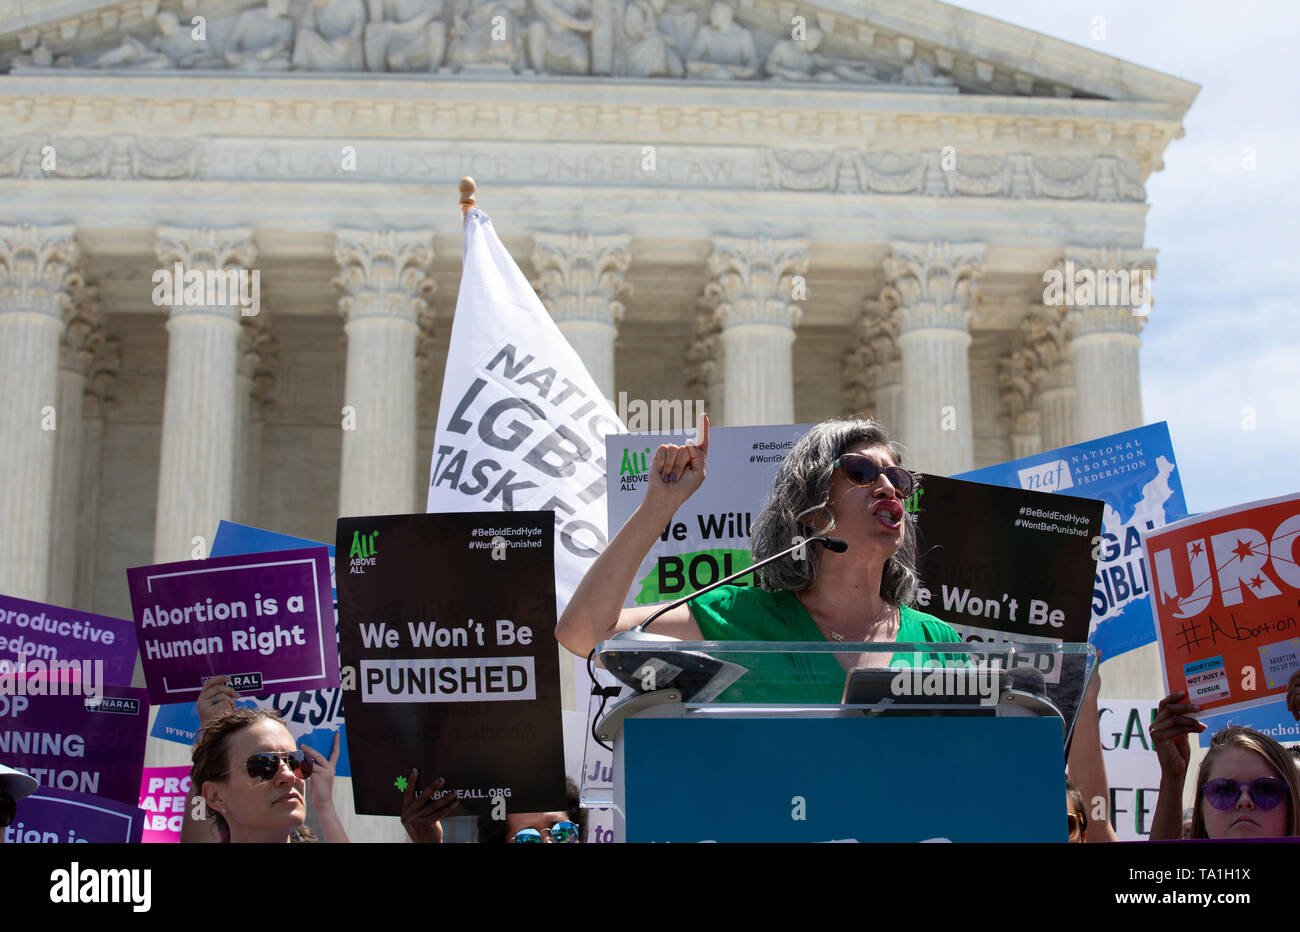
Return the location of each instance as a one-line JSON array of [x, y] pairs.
[[362, 552]]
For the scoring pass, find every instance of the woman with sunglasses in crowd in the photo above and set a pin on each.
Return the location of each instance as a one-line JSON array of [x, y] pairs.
[[1246, 787], [844, 477], [252, 779]]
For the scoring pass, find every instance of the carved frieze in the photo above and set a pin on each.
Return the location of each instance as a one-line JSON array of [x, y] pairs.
[[1101, 178]]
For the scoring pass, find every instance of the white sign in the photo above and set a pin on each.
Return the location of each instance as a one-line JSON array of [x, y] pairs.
[[1132, 769]]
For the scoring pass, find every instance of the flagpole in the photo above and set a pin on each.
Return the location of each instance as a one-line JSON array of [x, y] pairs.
[[467, 189]]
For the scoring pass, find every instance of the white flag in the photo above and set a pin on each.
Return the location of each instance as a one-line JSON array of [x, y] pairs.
[[521, 424]]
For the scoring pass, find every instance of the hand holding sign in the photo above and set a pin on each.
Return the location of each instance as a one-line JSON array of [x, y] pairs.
[[215, 700], [320, 788], [679, 470], [1293, 695], [1170, 729], [422, 813]]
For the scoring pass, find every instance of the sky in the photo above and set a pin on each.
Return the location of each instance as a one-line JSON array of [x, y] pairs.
[[1221, 353]]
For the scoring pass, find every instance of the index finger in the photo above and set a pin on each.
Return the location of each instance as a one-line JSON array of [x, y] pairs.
[[702, 434], [334, 755]]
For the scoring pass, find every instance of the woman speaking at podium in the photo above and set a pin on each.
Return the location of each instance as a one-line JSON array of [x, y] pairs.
[[844, 477]]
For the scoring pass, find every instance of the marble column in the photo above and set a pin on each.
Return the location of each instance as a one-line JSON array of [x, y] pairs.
[[253, 382], [580, 280], [36, 266], [703, 360], [1017, 373], [76, 351], [1056, 407], [753, 279], [933, 287], [99, 400], [384, 277], [1044, 338], [1104, 344], [196, 473], [872, 373]]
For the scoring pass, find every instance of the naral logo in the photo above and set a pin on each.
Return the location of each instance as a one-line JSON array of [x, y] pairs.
[[103, 885], [246, 682], [119, 704], [362, 553]]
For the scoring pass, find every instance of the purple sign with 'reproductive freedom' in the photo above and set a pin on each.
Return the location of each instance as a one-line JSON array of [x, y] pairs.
[[34, 631], [51, 816], [89, 744], [265, 620]]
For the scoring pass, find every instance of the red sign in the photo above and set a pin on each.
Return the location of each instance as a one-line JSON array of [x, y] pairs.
[[1225, 592]]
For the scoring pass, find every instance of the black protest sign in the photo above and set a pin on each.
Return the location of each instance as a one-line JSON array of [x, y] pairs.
[[1006, 560], [447, 623]]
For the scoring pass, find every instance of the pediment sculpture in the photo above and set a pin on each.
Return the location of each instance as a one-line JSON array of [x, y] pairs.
[[672, 39]]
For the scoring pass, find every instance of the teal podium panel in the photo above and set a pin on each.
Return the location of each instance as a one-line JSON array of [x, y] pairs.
[[855, 778]]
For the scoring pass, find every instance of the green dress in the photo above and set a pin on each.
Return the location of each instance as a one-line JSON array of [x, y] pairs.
[[745, 613]]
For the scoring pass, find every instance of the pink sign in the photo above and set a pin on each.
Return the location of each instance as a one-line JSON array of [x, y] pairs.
[[163, 791]]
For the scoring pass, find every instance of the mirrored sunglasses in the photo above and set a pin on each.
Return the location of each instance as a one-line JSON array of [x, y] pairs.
[[563, 833]]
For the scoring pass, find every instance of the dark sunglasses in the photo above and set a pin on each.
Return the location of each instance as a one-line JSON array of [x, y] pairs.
[[1075, 823], [860, 469], [563, 833], [8, 807], [266, 765], [1266, 792]]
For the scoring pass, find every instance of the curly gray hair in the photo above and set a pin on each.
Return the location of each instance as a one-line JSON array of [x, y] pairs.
[[803, 485]]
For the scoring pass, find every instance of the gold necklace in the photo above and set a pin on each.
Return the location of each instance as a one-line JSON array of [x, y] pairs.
[[884, 608]]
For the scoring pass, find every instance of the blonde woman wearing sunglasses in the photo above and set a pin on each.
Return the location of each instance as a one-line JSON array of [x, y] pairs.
[[249, 781], [844, 477]]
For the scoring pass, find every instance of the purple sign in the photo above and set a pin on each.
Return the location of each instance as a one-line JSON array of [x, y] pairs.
[[265, 620], [52, 816], [34, 636], [89, 744]]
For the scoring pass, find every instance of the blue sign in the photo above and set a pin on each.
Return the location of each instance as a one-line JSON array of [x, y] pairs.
[[1135, 474], [1272, 719], [844, 779], [314, 717]]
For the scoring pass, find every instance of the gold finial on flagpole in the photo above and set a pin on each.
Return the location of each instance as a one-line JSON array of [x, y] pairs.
[[467, 189]]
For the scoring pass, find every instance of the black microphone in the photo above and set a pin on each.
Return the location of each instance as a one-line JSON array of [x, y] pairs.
[[696, 673], [833, 544]]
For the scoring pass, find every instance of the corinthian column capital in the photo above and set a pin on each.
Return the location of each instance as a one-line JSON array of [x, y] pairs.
[[754, 279], [384, 273], [933, 285], [1103, 289], [37, 264], [580, 275], [206, 247]]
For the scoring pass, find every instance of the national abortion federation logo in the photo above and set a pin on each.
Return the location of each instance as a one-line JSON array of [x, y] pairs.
[[362, 552]]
